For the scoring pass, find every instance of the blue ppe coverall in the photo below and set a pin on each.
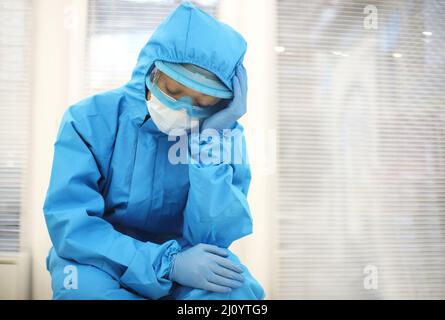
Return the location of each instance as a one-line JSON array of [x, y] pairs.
[[117, 209]]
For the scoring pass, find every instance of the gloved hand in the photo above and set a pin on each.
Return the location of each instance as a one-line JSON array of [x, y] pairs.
[[226, 117], [205, 266]]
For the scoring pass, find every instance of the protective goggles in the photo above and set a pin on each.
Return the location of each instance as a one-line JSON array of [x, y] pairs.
[[185, 102]]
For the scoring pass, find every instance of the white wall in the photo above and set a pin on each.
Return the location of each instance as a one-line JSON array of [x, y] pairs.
[[59, 28], [255, 20]]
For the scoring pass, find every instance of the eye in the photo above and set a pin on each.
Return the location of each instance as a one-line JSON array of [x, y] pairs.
[[207, 102], [172, 92], [204, 104]]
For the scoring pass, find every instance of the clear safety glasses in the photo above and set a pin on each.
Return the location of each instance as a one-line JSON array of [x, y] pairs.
[[185, 102]]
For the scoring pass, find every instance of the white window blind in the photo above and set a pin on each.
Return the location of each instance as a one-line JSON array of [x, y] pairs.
[[117, 31], [15, 76], [361, 180]]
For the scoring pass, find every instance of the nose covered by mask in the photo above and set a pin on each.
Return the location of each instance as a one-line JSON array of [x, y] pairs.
[[168, 120]]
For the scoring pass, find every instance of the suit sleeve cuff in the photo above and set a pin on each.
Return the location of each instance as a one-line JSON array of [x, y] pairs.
[[147, 273]]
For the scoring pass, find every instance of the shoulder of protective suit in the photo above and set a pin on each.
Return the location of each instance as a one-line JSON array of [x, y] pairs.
[[103, 104], [96, 118]]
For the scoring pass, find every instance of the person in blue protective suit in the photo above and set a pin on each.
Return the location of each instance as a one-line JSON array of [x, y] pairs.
[[127, 222]]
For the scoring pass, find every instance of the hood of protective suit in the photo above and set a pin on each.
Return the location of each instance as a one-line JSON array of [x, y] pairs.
[[188, 35]]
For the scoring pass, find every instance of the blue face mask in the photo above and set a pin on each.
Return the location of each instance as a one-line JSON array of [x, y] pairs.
[[184, 102]]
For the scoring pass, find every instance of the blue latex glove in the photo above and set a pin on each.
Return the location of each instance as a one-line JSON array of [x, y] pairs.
[[226, 118], [205, 266]]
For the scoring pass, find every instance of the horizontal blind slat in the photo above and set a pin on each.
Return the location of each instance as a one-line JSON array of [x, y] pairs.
[[361, 149], [15, 88]]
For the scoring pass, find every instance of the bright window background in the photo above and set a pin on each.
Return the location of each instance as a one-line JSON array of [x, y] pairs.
[[117, 30], [361, 161], [15, 102]]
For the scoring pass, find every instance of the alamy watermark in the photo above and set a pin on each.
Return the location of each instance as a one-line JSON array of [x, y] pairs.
[[371, 20], [213, 147], [371, 279], [70, 281]]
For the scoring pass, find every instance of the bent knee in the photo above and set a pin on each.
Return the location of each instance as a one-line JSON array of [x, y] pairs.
[[250, 289], [83, 282], [71, 280]]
